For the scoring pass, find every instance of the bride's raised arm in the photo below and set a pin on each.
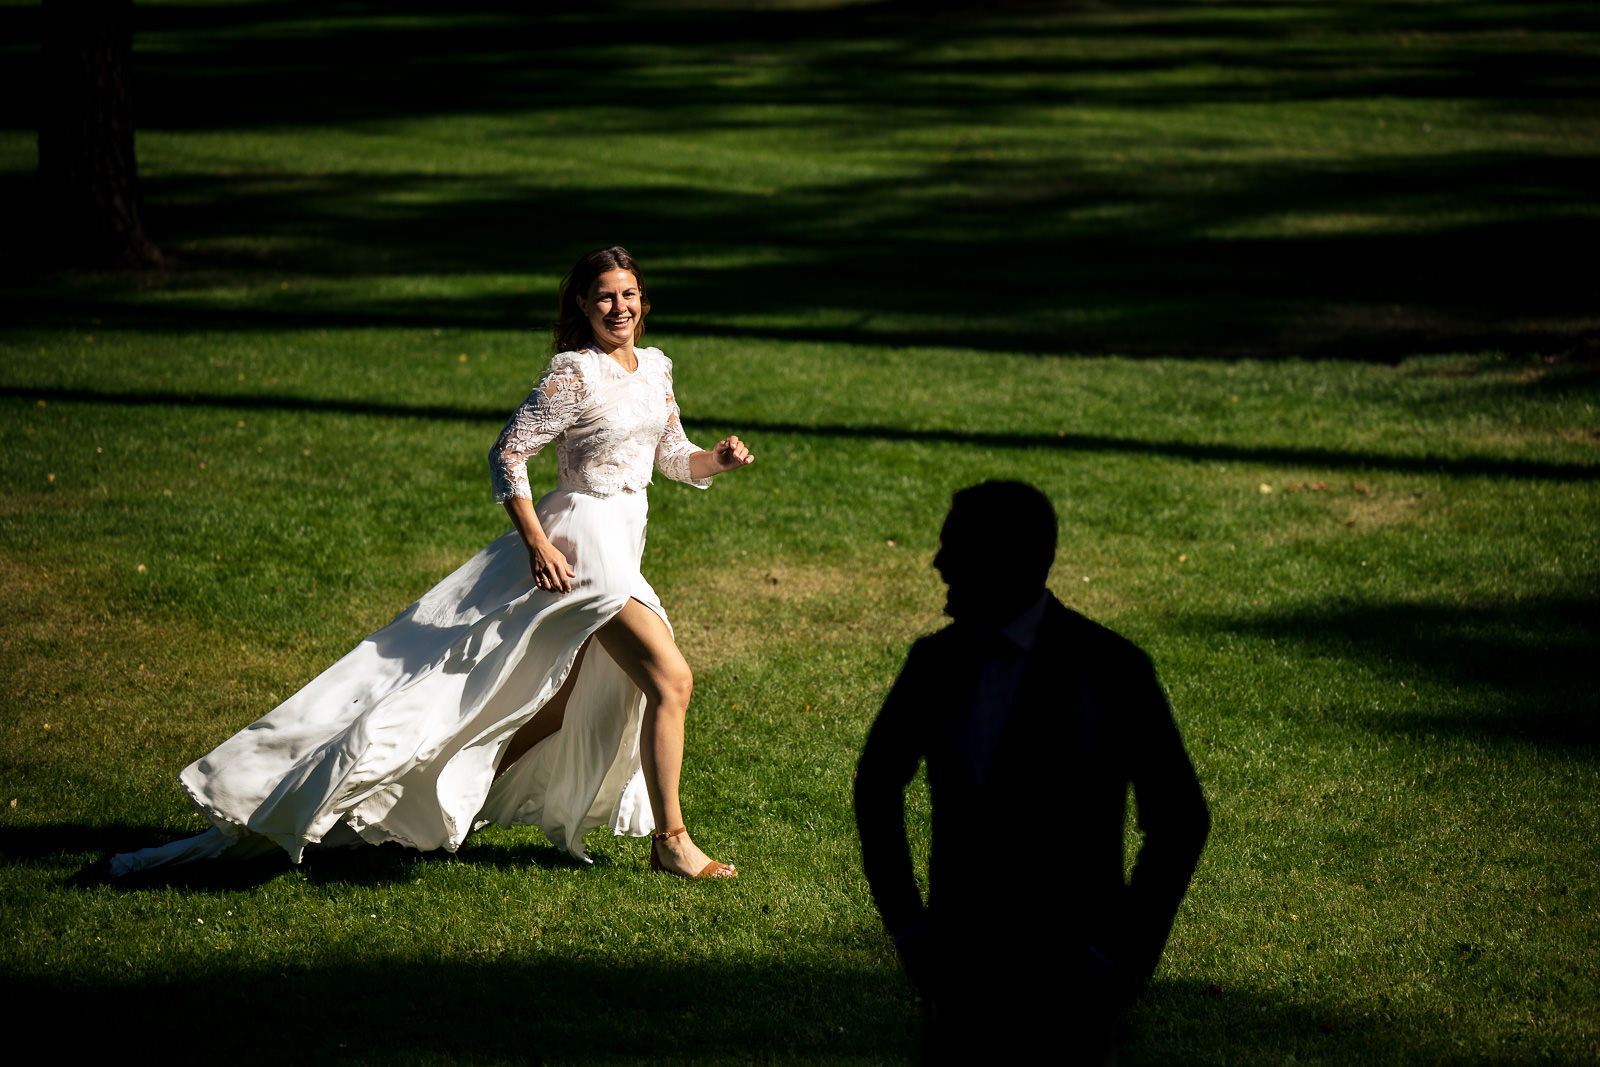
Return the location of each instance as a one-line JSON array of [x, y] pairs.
[[729, 454]]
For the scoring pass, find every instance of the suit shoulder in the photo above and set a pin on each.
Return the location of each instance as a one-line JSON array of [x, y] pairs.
[[929, 658], [1103, 642]]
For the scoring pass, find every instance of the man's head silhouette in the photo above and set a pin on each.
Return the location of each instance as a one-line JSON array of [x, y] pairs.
[[995, 551]]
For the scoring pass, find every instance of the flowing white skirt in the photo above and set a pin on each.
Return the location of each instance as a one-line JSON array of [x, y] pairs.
[[399, 740]]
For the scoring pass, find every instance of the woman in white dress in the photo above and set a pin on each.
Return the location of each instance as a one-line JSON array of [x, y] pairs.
[[539, 684]]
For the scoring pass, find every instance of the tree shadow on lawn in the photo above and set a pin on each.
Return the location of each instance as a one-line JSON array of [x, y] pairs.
[[499, 1008], [619, 1008], [1188, 1021], [933, 269], [1280, 455], [245, 66], [1526, 667], [1153, 259]]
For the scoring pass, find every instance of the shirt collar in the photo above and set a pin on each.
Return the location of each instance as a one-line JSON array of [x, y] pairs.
[[1023, 630]]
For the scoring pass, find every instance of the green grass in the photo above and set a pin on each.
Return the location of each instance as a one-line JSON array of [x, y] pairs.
[[1269, 297]]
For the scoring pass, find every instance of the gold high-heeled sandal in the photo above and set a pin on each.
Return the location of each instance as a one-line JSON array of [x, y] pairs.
[[710, 870]]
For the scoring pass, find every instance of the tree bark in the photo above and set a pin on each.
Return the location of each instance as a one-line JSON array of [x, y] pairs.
[[88, 176]]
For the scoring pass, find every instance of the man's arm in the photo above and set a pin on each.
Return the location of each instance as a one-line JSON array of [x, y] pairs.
[[1172, 816], [888, 763]]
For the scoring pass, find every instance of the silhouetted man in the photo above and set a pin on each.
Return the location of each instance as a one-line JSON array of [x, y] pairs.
[[1033, 721]]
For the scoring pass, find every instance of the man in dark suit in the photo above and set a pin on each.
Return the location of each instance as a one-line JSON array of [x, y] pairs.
[[1033, 721]]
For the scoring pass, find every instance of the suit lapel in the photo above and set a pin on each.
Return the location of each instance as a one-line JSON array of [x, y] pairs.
[[1055, 708], [950, 684]]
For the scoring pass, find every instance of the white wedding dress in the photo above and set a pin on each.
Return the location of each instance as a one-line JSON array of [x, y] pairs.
[[399, 740]]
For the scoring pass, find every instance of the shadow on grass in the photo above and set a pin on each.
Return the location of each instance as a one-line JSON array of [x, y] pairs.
[[1171, 256], [367, 865], [1309, 457], [1524, 670], [1185, 1021], [503, 1007], [932, 272], [244, 66]]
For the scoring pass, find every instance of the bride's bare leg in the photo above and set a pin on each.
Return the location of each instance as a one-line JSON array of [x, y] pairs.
[[546, 721], [642, 646]]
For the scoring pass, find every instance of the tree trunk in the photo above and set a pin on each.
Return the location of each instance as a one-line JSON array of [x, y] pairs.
[[88, 179]]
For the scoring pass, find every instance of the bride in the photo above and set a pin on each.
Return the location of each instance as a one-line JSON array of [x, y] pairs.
[[538, 685]]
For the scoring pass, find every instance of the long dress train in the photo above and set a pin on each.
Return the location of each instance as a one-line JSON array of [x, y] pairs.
[[399, 740]]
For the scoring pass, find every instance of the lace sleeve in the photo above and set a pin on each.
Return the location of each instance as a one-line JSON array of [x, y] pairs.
[[675, 448], [555, 403]]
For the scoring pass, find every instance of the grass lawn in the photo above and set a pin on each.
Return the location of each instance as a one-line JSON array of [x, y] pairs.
[[1270, 297]]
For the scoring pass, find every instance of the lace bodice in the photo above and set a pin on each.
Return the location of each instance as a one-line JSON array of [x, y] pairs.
[[608, 426]]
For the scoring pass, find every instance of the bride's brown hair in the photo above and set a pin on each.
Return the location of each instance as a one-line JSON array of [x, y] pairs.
[[571, 330]]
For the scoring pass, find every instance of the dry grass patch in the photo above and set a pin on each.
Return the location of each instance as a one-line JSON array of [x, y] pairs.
[[129, 696], [1375, 507], [1501, 439], [1340, 503], [747, 611], [1581, 435], [763, 610], [53, 496], [425, 567]]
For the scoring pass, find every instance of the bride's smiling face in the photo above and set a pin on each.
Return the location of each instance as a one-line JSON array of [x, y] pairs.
[[612, 307]]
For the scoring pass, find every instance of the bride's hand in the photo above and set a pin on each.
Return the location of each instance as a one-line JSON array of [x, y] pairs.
[[551, 571], [731, 454]]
